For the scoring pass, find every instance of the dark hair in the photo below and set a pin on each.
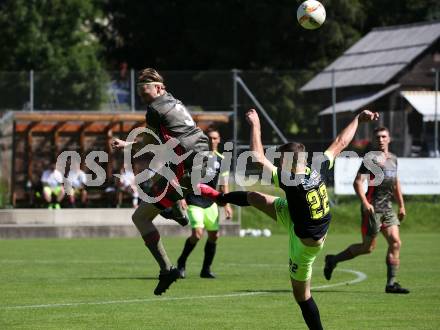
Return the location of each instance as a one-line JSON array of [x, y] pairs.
[[381, 129], [212, 129], [291, 147], [294, 147], [149, 75]]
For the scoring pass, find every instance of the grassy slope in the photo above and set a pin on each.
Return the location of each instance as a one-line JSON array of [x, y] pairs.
[[111, 270]]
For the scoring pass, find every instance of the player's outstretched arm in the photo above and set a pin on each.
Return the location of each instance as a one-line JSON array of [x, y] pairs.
[[120, 144], [143, 139], [256, 144], [344, 138]]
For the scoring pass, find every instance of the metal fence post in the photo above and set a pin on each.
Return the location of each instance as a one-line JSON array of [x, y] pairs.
[[31, 90], [262, 110], [436, 116], [235, 109], [334, 104], [132, 90], [235, 137]]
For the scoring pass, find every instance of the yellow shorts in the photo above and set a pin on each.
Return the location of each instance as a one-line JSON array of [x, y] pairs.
[[204, 218], [52, 190], [301, 257]]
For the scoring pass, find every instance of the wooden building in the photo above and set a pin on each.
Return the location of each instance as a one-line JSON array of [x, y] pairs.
[[31, 141], [375, 73]]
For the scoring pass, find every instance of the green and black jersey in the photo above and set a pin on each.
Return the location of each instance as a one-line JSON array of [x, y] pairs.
[[307, 198], [213, 170]]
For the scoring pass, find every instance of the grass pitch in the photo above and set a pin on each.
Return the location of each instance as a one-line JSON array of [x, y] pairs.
[[108, 283]]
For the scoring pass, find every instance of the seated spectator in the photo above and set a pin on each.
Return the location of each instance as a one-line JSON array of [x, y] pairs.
[[111, 192], [34, 194], [53, 189], [126, 184], [77, 180], [34, 187]]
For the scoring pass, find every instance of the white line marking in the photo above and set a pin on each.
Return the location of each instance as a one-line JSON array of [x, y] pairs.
[[129, 301], [117, 262], [64, 261], [359, 278]]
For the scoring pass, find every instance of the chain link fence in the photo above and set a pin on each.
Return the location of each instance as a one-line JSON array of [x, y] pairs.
[[296, 114]]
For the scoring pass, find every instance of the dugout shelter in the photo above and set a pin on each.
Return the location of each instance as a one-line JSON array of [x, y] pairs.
[[30, 141]]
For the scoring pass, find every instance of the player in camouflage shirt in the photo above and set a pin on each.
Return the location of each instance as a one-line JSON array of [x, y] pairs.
[[377, 213]]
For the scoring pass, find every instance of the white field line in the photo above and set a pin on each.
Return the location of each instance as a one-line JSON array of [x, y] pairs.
[[359, 278], [64, 261]]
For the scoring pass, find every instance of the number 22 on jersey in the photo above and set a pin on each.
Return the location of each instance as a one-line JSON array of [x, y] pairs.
[[318, 202]]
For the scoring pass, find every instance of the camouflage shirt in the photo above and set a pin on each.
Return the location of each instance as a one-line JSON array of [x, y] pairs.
[[381, 196]]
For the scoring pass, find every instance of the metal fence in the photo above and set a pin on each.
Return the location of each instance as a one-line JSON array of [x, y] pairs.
[[296, 115]]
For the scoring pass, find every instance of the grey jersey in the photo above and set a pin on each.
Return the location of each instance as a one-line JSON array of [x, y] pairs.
[[169, 118], [381, 196]]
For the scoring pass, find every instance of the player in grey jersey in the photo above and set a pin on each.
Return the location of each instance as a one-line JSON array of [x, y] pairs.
[[169, 119], [377, 214]]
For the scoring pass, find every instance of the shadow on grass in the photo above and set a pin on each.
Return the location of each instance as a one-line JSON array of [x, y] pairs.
[[149, 278]]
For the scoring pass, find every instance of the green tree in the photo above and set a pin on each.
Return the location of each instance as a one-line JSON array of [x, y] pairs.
[[250, 35], [223, 34], [395, 12], [243, 34], [53, 38]]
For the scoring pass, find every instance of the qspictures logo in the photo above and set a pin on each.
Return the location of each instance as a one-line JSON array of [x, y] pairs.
[[163, 161]]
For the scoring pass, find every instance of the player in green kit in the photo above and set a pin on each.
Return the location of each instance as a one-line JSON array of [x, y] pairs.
[[305, 212], [203, 213]]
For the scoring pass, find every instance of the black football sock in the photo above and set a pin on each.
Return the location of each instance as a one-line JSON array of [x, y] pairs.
[[344, 255], [154, 244], [236, 197], [210, 248], [187, 249], [310, 314]]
